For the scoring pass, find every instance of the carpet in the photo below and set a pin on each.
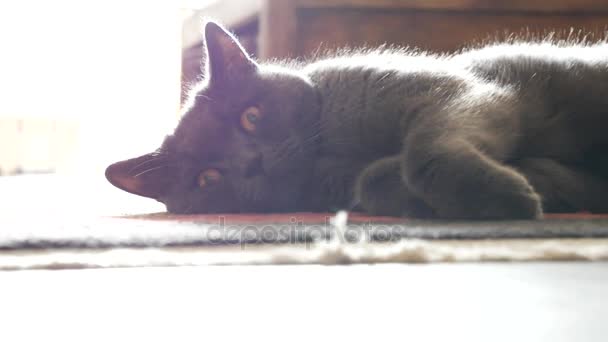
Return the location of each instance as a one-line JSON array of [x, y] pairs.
[[52, 221], [166, 230], [299, 238]]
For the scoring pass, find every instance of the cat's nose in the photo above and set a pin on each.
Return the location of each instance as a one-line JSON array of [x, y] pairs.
[[254, 167]]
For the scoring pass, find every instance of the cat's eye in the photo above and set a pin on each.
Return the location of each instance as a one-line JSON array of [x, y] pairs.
[[250, 118], [208, 176]]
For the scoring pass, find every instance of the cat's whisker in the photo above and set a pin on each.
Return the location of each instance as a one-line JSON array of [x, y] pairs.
[[150, 170], [205, 97], [284, 147], [282, 154], [146, 162], [290, 146], [292, 149]]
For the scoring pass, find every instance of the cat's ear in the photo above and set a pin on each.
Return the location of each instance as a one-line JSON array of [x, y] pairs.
[[148, 175], [225, 55]]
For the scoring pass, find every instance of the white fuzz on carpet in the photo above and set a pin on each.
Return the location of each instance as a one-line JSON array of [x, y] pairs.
[[410, 251], [331, 252]]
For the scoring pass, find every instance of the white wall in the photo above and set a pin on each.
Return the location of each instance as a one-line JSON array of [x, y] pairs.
[[107, 72], [37, 144]]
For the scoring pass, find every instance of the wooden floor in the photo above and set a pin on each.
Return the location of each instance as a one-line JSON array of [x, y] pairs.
[[457, 302]]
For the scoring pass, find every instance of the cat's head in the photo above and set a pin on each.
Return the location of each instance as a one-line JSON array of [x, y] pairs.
[[245, 143]]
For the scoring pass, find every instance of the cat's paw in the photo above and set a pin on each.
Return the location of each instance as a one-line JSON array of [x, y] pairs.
[[510, 199], [512, 206], [380, 191]]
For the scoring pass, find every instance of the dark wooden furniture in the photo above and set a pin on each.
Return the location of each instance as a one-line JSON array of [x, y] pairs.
[[296, 28], [291, 28]]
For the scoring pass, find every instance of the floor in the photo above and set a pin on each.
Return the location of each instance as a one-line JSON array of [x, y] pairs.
[[553, 302], [438, 302]]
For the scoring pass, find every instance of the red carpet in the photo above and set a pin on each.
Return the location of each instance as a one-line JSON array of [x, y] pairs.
[[310, 218]]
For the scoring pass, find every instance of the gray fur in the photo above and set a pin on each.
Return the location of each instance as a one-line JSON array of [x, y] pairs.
[[497, 132]]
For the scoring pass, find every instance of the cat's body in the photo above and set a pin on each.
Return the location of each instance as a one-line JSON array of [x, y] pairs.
[[530, 106], [488, 133]]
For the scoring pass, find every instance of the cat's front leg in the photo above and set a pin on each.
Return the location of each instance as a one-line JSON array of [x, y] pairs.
[[564, 188], [460, 182], [332, 186], [379, 190]]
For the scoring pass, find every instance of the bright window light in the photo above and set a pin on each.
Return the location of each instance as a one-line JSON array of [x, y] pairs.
[[83, 83]]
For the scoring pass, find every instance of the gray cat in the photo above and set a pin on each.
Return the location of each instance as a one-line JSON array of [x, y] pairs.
[[506, 131]]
